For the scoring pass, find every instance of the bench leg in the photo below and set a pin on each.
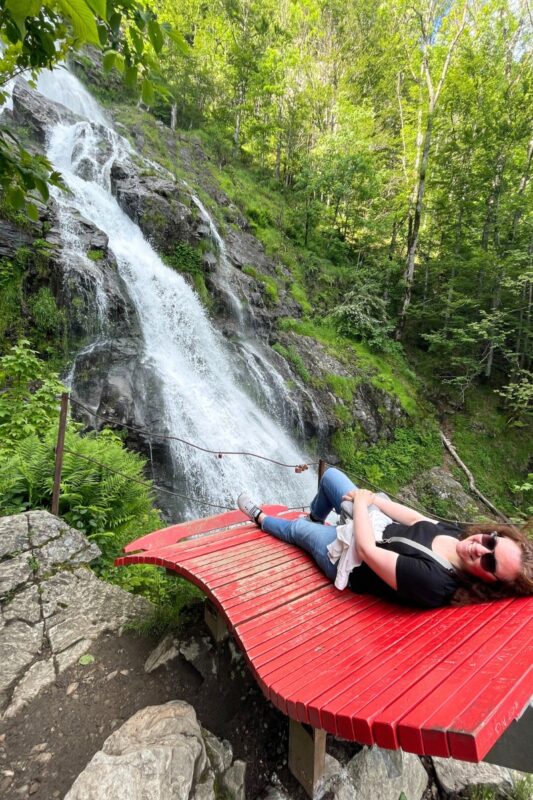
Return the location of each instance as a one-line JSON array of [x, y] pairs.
[[214, 622], [307, 755]]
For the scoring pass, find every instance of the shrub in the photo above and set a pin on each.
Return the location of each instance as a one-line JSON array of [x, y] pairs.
[[363, 316], [29, 396], [185, 258], [48, 318]]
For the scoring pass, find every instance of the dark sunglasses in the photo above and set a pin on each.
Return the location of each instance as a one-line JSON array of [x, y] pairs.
[[488, 561]]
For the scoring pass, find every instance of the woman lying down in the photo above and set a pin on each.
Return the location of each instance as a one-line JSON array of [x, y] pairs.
[[388, 549]]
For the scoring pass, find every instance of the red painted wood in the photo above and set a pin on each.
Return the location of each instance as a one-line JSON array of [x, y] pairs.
[[440, 682], [458, 675], [451, 630], [174, 533]]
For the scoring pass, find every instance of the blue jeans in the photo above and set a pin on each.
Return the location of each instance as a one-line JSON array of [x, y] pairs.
[[314, 537]]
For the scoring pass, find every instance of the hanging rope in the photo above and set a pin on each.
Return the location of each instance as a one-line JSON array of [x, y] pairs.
[[219, 453], [298, 468], [147, 485]]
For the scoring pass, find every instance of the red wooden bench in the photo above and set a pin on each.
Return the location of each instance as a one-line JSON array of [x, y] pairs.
[[446, 682]]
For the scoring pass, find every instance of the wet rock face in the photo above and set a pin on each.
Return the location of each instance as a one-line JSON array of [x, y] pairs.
[[161, 752], [153, 202], [112, 380], [377, 412], [51, 608], [33, 111]]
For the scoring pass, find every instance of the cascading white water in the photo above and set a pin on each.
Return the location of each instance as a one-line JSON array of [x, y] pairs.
[[203, 402], [236, 308], [259, 366]]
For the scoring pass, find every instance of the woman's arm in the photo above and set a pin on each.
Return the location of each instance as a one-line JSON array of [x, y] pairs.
[[382, 562], [396, 511]]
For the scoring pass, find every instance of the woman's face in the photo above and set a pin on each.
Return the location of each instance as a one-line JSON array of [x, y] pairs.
[[502, 562]]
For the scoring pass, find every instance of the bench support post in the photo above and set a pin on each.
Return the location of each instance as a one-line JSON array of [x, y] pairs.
[[307, 755], [214, 622]]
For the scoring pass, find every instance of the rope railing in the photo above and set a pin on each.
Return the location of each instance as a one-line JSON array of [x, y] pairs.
[[218, 453], [150, 485], [298, 468]]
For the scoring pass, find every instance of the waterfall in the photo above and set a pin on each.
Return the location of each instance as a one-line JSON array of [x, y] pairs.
[[202, 401], [235, 305]]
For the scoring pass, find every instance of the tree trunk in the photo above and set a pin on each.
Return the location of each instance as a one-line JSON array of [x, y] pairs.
[[492, 201], [173, 116], [495, 305], [521, 189], [413, 243]]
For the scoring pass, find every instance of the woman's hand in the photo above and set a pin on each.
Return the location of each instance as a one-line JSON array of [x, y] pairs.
[[360, 497]]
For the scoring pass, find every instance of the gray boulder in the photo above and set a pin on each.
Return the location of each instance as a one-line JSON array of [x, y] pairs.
[[52, 609], [374, 772], [456, 776], [158, 753]]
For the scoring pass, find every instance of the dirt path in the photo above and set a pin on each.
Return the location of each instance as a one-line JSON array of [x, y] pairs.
[[44, 749]]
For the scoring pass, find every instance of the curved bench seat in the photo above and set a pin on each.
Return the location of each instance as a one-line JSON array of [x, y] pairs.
[[446, 682]]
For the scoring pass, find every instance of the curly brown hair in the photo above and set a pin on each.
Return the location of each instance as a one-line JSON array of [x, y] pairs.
[[473, 590]]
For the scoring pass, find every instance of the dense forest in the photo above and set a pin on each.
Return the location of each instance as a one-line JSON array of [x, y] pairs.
[[380, 150], [401, 135]]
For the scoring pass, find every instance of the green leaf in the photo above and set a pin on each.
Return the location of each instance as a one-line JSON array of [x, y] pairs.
[[119, 62], [19, 10], [147, 92], [155, 35], [109, 60], [15, 198], [130, 77], [33, 212], [42, 188], [102, 33], [177, 38], [23, 8], [114, 22], [99, 7], [137, 40], [82, 19], [86, 659]]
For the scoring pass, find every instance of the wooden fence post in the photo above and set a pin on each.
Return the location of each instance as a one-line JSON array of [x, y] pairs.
[[59, 452], [322, 467]]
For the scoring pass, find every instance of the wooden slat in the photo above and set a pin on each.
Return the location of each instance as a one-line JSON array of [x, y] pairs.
[[442, 682], [174, 533], [456, 680]]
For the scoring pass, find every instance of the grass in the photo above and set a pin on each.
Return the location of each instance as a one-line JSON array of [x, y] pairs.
[[270, 287], [389, 465], [495, 452], [391, 374]]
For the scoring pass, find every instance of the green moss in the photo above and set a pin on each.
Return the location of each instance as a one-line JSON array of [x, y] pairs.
[[95, 255], [202, 291], [185, 258], [341, 386], [251, 271], [343, 414], [270, 287], [294, 358]]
